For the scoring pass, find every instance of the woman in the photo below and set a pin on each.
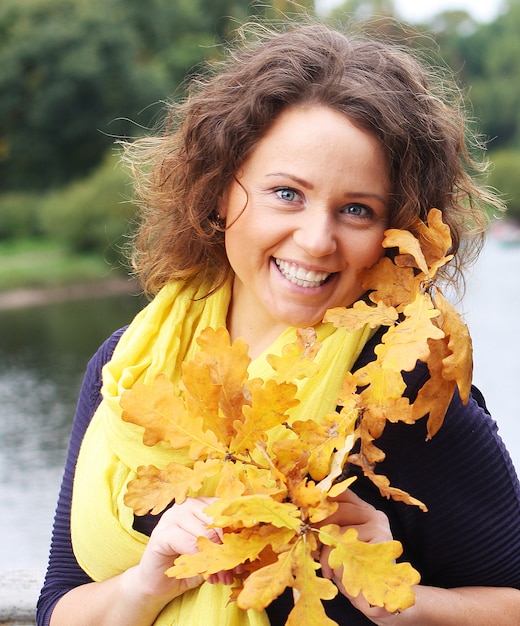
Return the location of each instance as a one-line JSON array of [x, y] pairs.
[[271, 187]]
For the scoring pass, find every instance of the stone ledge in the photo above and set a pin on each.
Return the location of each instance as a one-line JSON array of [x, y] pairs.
[[19, 590]]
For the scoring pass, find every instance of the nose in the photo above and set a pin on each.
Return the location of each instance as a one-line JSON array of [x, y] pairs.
[[316, 233]]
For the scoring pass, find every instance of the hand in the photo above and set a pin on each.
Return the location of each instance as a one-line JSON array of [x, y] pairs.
[[176, 533], [372, 526]]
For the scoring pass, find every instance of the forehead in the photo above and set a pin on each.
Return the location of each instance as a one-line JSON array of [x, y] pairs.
[[310, 136]]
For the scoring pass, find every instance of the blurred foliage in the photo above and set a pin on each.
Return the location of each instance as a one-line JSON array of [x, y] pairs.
[[87, 216], [505, 177], [47, 263], [92, 214], [19, 216], [67, 69], [483, 58], [75, 74]]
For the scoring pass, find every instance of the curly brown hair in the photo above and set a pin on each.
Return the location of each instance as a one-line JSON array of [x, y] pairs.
[[182, 173]]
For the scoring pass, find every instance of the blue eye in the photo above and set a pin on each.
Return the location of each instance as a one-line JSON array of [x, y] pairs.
[[287, 194], [357, 210]]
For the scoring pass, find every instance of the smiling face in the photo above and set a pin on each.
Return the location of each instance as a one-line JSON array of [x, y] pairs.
[[307, 211]]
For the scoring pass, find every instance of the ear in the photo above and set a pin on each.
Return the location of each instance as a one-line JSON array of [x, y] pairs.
[[222, 205]]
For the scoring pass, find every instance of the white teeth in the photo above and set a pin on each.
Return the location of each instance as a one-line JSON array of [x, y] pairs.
[[300, 276]]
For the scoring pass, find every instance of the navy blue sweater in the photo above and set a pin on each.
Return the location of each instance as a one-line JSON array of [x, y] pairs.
[[469, 536]]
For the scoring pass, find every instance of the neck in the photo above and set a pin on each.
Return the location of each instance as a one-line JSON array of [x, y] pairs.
[[258, 337]]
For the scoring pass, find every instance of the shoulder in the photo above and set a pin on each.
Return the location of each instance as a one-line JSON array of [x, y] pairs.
[[90, 394], [101, 357], [106, 349], [465, 477]]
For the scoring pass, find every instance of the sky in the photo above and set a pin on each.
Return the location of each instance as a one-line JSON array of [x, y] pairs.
[[418, 10]]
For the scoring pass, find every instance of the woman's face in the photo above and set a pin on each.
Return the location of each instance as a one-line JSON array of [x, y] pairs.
[[308, 211]]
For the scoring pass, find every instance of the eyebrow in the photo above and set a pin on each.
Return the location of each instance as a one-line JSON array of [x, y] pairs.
[[296, 179], [307, 185]]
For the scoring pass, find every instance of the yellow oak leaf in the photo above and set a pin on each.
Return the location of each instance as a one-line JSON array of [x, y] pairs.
[[230, 485], [309, 589], [458, 365], [435, 395], [339, 487], [435, 240], [264, 585], [202, 398], [341, 427], [370, 568], [164, 417], [369, 454], [235, 549], [394, 410], [388, 491], [347, 396], [228, 365], [239, 478], [407, 244], [269, 406], [380, 384], [312, 501], [404, 344], [323, 438], [337, 464], [381, 399], [320, 458], [154, 489], [297, 360], [390, 284], [291, 455], [428, 251], [361, 314], [249, 511]]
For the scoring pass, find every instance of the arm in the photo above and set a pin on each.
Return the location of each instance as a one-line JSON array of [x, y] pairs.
[[434, 606], [63, 572], [138, 595], [467, 547]]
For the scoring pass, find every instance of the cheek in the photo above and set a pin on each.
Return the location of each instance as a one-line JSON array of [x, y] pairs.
[[370, 250]]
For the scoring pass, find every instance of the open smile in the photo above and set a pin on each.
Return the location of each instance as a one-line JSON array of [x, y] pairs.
[[300, 276]]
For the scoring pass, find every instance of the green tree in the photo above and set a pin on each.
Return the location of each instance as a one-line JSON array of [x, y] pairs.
[[67, 71], [496, 90], [91, 214], [505, 178], [73, 73], [486, 60]]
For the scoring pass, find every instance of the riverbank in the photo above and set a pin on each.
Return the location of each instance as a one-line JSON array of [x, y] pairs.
[[32, 297]]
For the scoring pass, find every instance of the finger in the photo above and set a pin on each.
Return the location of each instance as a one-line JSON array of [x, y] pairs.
[[189, 512], [225, 578], [326, 569], [351, 513]]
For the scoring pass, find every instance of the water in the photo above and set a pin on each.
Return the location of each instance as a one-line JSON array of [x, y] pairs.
[[43, 354], [44, 350], [491, 309]]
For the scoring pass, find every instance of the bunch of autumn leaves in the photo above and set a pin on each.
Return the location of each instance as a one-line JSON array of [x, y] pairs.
[[272, 499]]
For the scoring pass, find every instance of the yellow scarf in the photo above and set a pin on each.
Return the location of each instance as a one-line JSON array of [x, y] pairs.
[[159, 339]]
